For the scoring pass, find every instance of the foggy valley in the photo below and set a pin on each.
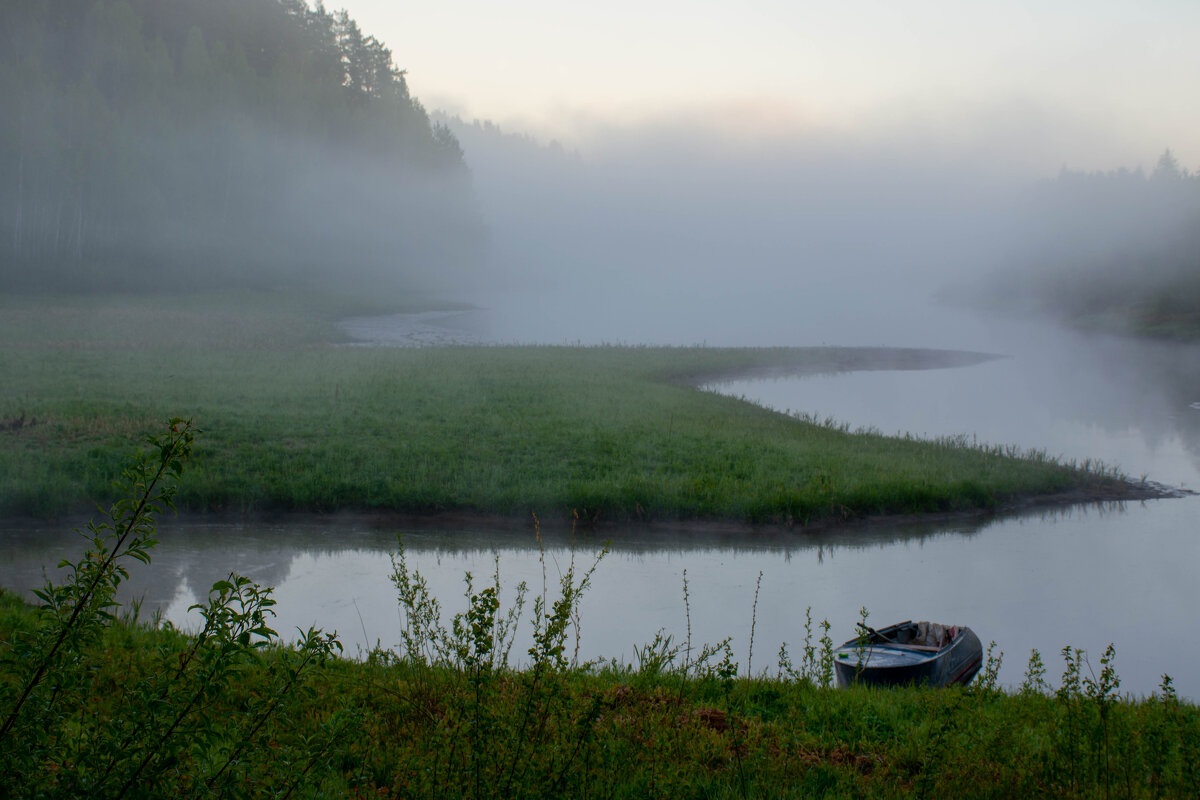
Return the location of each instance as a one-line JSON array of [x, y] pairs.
[[788, 323]]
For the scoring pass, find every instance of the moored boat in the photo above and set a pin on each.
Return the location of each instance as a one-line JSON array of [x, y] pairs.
[[919, 653]]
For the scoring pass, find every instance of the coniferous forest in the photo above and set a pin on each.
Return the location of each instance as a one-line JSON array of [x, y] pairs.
[[1118, 250], [154, 144]]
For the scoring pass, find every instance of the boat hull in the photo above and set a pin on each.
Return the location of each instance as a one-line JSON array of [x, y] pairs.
[[887, 664]]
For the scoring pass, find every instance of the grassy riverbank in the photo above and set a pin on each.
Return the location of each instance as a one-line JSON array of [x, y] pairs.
[[399, 727], [294, 421]]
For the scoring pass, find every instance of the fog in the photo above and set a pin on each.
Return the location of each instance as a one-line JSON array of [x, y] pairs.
[[683, 235], [669, 235], [150, 146], [171, 148]]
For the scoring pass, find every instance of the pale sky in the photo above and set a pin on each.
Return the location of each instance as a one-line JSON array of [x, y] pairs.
[[1095, 83]]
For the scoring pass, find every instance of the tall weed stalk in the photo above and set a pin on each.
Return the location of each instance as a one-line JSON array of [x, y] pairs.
[[459, 676], [75, 612], [79, 724]]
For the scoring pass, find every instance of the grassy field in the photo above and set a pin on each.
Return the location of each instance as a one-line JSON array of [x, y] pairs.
[[273, 724], [294, 420]]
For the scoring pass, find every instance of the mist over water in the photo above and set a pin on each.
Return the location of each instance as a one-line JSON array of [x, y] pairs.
[[673, 235], [733, 248], [687, 237], [754, 252]]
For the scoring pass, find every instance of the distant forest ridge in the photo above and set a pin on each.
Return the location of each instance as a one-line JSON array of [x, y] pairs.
[[1118, 250], [150, 144]]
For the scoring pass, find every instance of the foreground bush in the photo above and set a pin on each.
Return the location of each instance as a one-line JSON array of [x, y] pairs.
[[98, 705], [392, 726]]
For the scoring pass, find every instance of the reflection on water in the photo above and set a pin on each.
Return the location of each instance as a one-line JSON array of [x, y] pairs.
[[1083, 576]]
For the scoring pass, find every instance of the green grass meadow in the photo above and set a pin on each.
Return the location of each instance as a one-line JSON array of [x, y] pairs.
[[297, 419]]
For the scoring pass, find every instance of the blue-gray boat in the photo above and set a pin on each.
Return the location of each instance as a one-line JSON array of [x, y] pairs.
[[918, 653]]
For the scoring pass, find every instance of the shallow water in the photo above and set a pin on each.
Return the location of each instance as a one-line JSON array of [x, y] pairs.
[[1083, 576]]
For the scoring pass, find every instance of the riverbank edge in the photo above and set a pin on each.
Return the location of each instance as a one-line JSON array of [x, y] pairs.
[[1110, 497]]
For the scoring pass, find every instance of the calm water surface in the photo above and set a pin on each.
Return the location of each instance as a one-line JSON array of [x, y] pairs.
[[1083, 576]]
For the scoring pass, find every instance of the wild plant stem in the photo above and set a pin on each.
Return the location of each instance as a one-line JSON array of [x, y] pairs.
[[753, 622], [168, 454], [179, 718], [313, 760], [278, 699], [687, 612], [520, 737], [146, 720]]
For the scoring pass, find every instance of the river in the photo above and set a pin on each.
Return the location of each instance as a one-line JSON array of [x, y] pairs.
[[1083, 576]]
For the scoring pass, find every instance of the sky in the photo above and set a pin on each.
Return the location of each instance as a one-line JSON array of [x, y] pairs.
[[1090, 84]]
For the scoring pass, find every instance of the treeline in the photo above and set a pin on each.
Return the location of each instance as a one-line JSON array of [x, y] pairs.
[[151, 143], [1117, 250]]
